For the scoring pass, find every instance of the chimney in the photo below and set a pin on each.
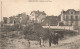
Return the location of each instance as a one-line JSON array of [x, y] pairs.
[[43, 11], [38, 10]]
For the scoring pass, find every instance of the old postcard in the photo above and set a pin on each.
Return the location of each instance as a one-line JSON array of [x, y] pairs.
[[39, 24]]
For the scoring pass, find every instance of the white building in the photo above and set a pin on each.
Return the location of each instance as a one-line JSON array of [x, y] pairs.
[[70, 17], [37, 16]]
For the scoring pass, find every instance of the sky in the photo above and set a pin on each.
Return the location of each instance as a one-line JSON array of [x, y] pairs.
[[14, 7]]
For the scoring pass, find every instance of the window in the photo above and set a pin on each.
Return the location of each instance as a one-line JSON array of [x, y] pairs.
[[76, 17], [66, 23], [32, 14], [74, 22], [71, 12], [69, 23], [67, 17], [71, 17]]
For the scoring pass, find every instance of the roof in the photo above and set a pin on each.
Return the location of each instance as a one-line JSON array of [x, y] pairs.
[[71, 10], [52, 20], [38, 12], [51, 17]]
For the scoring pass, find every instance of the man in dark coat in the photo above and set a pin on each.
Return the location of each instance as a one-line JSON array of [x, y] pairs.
[[50, 39], [55, 38]]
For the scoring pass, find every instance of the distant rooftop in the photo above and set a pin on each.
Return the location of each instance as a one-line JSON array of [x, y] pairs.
[[71, 10], [38, 12]]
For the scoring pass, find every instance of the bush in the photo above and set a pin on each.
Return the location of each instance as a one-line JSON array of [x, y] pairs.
[[8, 28]]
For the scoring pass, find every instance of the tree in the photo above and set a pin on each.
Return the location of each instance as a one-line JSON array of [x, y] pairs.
[[28, 30], [5, 20], [34, 29]]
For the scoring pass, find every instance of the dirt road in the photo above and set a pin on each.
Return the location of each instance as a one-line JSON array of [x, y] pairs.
[[12, 43]]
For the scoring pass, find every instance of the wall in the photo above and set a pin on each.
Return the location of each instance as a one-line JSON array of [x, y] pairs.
[[59, 27]]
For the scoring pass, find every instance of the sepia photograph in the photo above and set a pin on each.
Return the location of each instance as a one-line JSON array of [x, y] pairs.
[[39, 24]]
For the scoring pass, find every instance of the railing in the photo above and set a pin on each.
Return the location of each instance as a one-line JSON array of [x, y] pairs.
[[59, 27]]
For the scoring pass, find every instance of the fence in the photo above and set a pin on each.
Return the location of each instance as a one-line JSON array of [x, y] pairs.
[[60, 27]]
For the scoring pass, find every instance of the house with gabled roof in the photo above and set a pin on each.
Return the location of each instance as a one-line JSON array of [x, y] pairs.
[[70, 17], [37, 16], [50, 20]]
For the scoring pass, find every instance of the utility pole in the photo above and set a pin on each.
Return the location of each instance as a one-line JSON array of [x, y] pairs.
[[50, 39], [1, 16], [1, 10]]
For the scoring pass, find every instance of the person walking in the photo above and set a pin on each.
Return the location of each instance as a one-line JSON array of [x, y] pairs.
[[55, 38], [50, 39], [28, 44], [41, 42]]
